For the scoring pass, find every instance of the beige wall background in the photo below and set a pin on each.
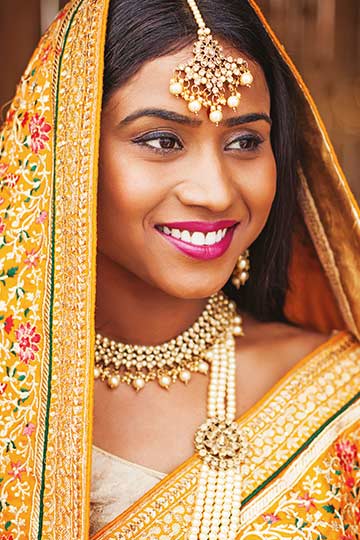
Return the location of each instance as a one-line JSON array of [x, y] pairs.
[[322, 37]]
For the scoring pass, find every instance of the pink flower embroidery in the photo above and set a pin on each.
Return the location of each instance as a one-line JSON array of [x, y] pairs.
[[29, 429], [38, 131], [270, 518], [11, 179], [32, 258], [3, 168], [2, 226], [347, 452], [306, 501], [9, 323], [17, 470], [42, 217], [2, 388], [27, 340]]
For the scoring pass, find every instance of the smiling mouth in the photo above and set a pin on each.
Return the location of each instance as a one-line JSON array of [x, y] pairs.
[[199, 240]]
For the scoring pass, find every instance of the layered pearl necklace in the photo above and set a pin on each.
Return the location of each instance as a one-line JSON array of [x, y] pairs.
[[220, 443]]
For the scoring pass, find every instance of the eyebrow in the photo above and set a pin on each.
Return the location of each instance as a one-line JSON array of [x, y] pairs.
[[182, 119]]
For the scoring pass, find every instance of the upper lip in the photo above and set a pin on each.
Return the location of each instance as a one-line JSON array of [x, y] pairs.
[[201, 226]]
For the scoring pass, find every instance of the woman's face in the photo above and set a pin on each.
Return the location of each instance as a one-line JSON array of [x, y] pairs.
[[161, 165]]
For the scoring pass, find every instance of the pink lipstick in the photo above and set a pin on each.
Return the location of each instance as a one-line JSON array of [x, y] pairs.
[[216, 237]]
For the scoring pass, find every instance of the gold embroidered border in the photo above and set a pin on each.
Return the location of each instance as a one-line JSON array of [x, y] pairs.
[[300, 466], [66, 496], [284, 420]]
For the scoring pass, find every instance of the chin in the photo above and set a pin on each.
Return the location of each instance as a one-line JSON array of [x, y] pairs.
[[192, 288]]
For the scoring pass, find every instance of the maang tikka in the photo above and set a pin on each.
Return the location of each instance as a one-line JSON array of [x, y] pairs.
[[210, 79]]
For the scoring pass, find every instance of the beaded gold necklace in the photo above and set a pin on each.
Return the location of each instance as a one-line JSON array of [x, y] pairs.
[[136, 365]]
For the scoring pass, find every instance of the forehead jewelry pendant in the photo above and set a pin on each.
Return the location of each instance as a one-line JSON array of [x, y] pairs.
[[210, 79]]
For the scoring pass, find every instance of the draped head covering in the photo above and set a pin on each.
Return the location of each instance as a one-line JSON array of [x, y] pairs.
[[48, 184]]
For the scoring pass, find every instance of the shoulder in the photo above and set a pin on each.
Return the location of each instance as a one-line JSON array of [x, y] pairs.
[[278, 343]]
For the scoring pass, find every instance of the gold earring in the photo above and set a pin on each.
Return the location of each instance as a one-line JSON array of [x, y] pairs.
[[240, 273]]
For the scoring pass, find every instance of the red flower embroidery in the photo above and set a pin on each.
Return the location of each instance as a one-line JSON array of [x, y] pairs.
[[306, 501], [2, 226], [10, 115], [25, 119], [29, 429], [38, 131], [3, 168], [27, 342], [11, 179], [270, 518], [347, 453], [32, 258], [350, 482], [9, 323], [46, 53], [42, 217], [7, 537], [16, 470], [2, 388]]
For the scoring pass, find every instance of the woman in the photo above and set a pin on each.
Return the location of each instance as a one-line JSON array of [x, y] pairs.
[[281, 196]]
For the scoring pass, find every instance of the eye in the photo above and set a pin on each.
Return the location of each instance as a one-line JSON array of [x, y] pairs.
[[246, 143], [162, 142]]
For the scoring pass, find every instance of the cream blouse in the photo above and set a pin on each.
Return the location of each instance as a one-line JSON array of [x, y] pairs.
[[115, 484]]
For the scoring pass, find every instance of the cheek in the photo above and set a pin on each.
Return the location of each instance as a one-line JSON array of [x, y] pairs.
[[259, 188], [126, 193]]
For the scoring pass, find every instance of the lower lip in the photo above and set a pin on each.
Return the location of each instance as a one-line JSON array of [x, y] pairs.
[[203, 253]]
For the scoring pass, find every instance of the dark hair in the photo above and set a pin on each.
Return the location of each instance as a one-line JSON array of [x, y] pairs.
[[139, 31]]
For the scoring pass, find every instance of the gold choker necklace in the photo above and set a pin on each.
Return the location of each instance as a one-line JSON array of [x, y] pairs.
[[189, 352]]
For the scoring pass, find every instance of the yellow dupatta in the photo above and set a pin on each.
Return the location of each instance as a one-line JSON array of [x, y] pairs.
[[302, 473]]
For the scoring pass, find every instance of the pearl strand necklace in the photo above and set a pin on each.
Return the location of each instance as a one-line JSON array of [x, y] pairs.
[[222, 446]]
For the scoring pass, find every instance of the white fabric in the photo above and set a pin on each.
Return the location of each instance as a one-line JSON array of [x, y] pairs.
[[115, 484]]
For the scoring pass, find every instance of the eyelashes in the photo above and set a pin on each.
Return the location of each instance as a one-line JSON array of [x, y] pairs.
[[166, 143]]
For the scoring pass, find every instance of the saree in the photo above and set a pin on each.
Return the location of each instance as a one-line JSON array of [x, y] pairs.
[[302, 476]]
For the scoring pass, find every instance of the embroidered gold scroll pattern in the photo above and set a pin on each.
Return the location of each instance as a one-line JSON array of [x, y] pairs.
[[77, 109], [304, 401]]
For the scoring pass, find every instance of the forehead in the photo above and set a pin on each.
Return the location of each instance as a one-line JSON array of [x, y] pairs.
[[150, 86]]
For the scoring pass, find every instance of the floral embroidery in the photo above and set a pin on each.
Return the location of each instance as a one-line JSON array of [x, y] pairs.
[[2, 388], [3, 168], [42, 217], [39, 130], [307, 502], [270, 518], [16, 470], [27, 342], [9, 323], [11, 180], [29, 429], [32, 258], [2, 225], [347, 453]]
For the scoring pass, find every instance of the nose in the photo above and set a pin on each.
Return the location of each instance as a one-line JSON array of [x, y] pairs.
[[208, 183]]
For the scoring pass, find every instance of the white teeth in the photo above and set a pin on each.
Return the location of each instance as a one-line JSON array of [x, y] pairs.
[[196, 238], [210, 238], [176, 233], [185, 236]]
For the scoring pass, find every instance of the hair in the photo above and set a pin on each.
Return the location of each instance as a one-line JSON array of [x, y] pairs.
[[142, 31]]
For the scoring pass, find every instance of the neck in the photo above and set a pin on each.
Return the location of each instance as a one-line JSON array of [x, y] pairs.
[[132, 311]]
